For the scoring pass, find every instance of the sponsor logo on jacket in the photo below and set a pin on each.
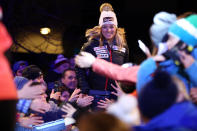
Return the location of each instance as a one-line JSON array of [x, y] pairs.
[[102, 52]]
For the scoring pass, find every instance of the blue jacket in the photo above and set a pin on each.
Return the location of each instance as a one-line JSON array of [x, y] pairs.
[[180, 116], [148, 67]]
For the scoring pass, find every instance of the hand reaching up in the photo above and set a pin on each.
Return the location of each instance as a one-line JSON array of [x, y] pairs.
[[84, 101], [69, 109], [118, 89], [104, 103], [31, 91], [84, 60], [75, 95], [27, 122]]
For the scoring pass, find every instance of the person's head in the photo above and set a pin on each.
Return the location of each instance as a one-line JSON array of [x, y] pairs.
[[101, 122], [107, 28], [18, 67], [61, 63], [157, 95], [33, 72], [183, 30], [65, 95], [161, 23], [108, 22], [69, 79]]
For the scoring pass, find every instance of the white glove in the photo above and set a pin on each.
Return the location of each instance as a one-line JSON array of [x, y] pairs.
[[84, 60], [144, 48]]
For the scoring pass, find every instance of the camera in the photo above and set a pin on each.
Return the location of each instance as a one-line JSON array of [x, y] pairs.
[[174, 52]]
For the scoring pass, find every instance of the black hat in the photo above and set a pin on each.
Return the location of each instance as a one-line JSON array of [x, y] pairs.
[[32, 72], [157, 95]]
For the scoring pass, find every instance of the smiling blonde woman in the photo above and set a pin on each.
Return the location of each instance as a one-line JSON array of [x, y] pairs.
[[105, 41]]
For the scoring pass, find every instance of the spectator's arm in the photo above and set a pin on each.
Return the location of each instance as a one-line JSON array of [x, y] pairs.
[[23, 105]]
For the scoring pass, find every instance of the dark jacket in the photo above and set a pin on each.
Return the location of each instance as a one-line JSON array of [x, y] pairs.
[[87, 79]]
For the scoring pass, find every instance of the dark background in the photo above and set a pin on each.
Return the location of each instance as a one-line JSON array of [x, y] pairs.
[[78, 15]]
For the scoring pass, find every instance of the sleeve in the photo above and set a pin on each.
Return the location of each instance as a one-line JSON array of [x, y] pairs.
[[193, 68], [147, 68], [23, 105], [53, 105], [82, 73], [115, 72], [190, 71]]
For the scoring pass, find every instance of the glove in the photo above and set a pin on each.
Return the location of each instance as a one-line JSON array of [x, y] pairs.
[[84, 60]]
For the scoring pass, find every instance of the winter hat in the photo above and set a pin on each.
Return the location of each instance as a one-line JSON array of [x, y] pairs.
[[20, 82], [185, 29], [161, 23], [107, 15], [157, 95], [125, 109], [32, 72], [19, 65], [60, 60]]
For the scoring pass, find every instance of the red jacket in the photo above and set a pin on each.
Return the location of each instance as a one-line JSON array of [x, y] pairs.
[[7, 89]]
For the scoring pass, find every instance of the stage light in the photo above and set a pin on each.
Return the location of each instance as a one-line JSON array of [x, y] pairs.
[[45, 31]]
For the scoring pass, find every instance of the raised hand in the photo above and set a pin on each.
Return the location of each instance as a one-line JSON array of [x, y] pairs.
[[118, 89], [104, 103], [40, 106], [84, 101], [75, 95], [186, 59], [31, 92], [69, 109], [84, 60], [55, 95], [27, 122]]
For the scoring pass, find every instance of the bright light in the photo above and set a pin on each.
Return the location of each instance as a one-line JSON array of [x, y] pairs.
[[45, 31]]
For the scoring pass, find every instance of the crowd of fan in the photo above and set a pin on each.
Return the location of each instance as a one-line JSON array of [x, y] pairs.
[[166, 90]]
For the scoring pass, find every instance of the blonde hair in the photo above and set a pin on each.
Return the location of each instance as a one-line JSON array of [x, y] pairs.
[[96, 33]]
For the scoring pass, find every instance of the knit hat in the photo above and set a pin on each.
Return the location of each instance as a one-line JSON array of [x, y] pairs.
[[185, 29], [161, 23], [107, 15], [157, 95], [19, 65], [20, 81], [60, 60], [32, 72]]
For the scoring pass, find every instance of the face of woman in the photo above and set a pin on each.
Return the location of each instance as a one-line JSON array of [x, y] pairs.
[[108, 31]]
